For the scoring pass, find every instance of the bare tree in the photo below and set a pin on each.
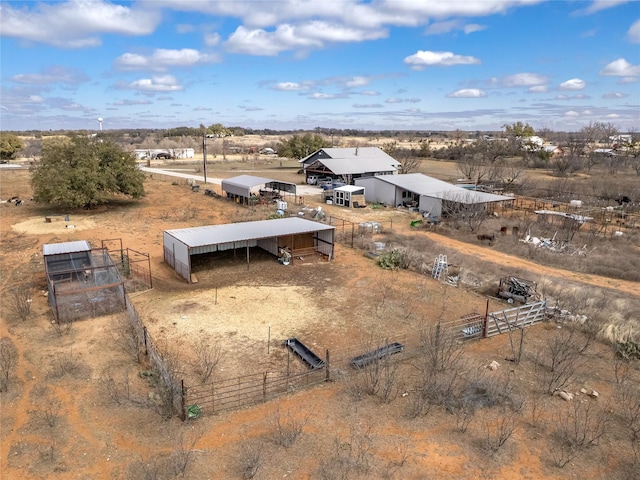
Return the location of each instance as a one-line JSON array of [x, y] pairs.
[[125, 336], [251, 458], [8, 362], [461, 210], [184, 442], [558, 363], [498, 425], [580, 425], [19, 301], [410, 163], [628, 396], [288, 426], [208, 356]]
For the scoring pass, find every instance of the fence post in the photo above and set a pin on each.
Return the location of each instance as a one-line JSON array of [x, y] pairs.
[[484, 324], [328, 367], [264, 387], [183, 399], [146, 346]]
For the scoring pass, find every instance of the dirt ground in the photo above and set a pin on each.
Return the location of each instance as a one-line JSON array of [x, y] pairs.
[[59, 419]]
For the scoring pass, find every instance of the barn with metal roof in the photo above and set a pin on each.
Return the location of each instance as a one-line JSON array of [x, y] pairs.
[[299, 236], [425, 193]]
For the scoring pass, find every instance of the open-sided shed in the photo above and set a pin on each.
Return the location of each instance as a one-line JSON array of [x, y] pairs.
[[245, 187], [300, 236]]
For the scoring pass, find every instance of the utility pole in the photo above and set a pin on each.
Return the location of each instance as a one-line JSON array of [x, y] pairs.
[[204, 156]]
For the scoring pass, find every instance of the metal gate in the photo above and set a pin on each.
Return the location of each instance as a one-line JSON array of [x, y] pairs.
[[518, 317]]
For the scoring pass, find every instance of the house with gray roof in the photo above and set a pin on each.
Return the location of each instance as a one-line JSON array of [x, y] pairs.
[[349, 163]]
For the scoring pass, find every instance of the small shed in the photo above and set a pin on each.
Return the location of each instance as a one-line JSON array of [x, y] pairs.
[[299, 236], [82, 282], [351, 196], [248, 189]]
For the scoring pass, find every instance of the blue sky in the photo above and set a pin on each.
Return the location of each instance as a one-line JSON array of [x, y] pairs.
[[301, 64]]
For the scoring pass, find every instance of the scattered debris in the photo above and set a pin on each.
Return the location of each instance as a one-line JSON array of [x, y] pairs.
[[554, 245], [566, 396], [513, 288], [594, 394], [493, 366], [194, 411]]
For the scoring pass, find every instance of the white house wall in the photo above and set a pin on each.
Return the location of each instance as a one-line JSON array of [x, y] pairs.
[[431, 205], [377, 191]]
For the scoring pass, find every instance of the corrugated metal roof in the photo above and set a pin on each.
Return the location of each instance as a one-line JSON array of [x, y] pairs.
[[351, 152], [246, 181], [349, 188], [66, 247], [360, 164], [238, 232], [432, 187]]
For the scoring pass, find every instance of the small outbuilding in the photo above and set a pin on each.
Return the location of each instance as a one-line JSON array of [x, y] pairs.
[[296, 235], [351, 196], [82, 282], [248, 189]]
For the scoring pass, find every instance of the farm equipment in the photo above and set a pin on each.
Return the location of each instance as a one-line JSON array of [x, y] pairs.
[[516, 289]]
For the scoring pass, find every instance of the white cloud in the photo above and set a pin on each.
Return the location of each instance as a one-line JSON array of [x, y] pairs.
[[357, 82], [634, 32], [439, 28], [524, 79], [370, 93], [612, 115], [425, 58], [473, 27], [310, 35], [52, 75], [599, 5], [75, 23], [367, 105], [572, 113], [538, 89], [402, 100], [35, 99], [322, 96], [160, 83], [573, 84], [614, 95], [468, 93], [162, 59], [125, 103], [211, 39], [621, 68], [290, 87]]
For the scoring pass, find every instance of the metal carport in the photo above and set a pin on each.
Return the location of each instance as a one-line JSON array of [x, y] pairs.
[[243, 187], [300, 235]]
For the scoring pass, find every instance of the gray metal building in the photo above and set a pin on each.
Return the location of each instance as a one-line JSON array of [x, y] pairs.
[[425, 193], [299, 235]]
